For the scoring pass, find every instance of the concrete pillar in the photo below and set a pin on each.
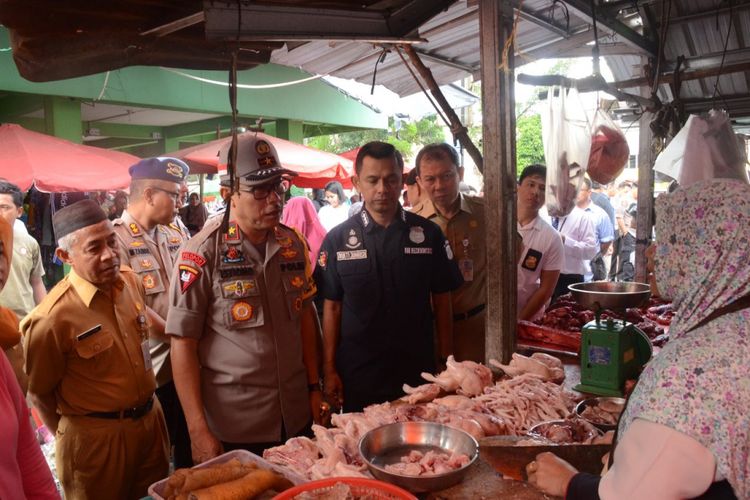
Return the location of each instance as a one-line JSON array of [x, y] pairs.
[[62, 118]]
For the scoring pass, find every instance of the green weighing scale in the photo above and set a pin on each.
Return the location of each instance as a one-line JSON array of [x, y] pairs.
[[612, 351]]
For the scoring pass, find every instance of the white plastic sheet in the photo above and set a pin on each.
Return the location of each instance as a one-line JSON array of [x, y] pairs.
[[705, 148]]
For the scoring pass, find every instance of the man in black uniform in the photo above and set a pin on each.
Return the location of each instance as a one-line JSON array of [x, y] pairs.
[[385, 274]]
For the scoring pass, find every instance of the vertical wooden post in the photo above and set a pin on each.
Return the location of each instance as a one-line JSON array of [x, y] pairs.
[[644, 217], [499, 151]]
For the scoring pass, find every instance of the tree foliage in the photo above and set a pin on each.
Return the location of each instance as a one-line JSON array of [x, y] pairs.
[[529, 145], [407, 137]]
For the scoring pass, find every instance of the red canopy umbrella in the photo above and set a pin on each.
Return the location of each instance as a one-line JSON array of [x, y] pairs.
[[351, 154], [56, 165], [315, 168]]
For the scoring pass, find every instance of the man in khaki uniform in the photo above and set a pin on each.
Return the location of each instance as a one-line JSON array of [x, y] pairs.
[[148, 241], [241, 318], [461, 219], [89, 368]]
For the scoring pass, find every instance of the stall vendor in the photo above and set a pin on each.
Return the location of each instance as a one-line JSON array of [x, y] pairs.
[[90, 375], [241, 317], [385, 275], [685, 432]]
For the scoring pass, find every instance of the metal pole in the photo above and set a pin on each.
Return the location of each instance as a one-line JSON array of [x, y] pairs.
[[499, 145]]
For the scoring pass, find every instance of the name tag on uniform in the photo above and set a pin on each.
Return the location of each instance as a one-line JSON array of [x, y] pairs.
[[146, 351], [351, 255], [418, 250], [531, 261]]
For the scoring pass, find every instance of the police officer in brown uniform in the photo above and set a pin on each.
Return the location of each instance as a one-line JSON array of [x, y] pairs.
[[89, 368], [461, 218], [148, 238], [241, 316]]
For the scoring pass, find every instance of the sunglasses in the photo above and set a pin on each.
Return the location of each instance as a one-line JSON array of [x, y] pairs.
[[264, 191]]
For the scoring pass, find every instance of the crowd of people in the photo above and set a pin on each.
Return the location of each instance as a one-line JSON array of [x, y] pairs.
[[177, 336]]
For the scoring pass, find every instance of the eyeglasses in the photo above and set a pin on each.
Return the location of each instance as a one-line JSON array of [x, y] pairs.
[[175, 195], [264, 191]]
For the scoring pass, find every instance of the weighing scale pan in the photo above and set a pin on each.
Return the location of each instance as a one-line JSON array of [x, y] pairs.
[[613, 295]]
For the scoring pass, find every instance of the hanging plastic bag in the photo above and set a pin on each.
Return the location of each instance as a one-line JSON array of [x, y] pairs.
[[705, 148], [609, 149], [567, 143]]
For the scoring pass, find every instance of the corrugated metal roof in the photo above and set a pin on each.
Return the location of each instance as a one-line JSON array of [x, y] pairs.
[[697, 31]]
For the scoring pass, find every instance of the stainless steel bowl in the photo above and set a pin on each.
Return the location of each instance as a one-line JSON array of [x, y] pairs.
[[580, 407], [597, 295], [537, 430], [387, 444]]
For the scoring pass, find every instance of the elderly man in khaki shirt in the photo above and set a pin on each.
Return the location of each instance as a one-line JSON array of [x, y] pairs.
[[89, 368], [148, 240], [461, 219]]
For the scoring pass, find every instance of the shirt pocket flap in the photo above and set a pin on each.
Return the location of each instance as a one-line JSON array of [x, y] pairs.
[[96, 344]]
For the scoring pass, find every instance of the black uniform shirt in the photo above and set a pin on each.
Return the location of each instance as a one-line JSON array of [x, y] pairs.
[[383, 276]]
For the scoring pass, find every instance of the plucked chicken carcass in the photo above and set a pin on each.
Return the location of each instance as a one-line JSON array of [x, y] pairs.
[[462, 377], [547, 367]]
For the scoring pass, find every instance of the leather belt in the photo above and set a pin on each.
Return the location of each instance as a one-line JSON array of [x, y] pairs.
[[134, 413], [468, 314]]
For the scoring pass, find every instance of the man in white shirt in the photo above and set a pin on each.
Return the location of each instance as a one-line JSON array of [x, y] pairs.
[[579, 240], [603, 231], [542, 256]]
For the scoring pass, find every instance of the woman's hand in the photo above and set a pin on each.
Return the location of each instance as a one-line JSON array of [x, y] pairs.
[[550, 474]]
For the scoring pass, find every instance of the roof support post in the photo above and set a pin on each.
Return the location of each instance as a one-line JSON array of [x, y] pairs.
[[499, 145], [644, 215], [62, 118]]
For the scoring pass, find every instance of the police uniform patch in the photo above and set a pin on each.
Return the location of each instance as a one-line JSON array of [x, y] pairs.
[[448, 250], [136, 244], [134, 229], [262, 148], [194, 257], [416, 234], [473, 224], [175, 227], [298, 303], [235, 271], [352, 255], [239, 288], [242, 311], [353, 241], [188, 275], [289, 253], [297, 282], [532, 259], [146, 263], [323, 259], [149, 282], [232, 256], [174, 239], [233, 232], [285, 242]]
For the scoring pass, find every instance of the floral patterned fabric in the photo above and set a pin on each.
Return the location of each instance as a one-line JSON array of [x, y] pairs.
[[699, 384]]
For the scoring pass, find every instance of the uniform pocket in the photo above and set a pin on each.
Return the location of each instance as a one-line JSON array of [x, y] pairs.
[[95, 345]]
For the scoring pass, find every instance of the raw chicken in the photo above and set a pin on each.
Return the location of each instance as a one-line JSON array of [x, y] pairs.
[[464, 377], [421, 394], [542, 366], [417, 463]]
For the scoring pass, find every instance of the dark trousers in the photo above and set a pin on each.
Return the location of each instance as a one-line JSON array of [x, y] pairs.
[[176, 425], [563, 281]]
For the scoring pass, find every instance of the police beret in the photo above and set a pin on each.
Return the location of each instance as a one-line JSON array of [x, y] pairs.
[[257, 160], [80, 214], [163, 169]]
